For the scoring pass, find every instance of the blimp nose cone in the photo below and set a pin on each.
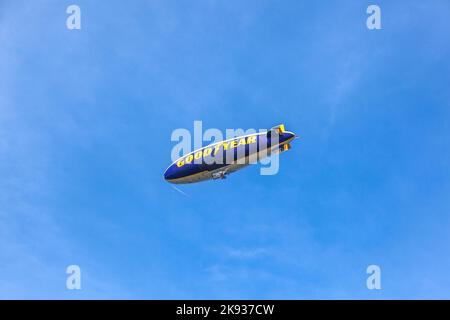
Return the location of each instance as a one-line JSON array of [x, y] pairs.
[[169, 174]]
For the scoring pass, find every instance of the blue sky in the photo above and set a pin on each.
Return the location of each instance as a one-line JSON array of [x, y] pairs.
[[85, 123]]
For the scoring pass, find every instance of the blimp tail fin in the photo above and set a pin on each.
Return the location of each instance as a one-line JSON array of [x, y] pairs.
[[285, 147], [279, 128]]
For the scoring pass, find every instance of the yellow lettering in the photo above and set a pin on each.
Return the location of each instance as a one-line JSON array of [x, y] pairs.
[[233, 144], [225, 145], [207, 152], [216, 148], [180, 163], [241, 142], [189, 158], [198, 154], [251, 139]]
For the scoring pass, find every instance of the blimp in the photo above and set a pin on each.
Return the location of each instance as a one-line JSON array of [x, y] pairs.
[[219, 159]]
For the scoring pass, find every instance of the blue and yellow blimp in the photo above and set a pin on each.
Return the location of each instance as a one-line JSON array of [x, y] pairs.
[[219, 159]]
